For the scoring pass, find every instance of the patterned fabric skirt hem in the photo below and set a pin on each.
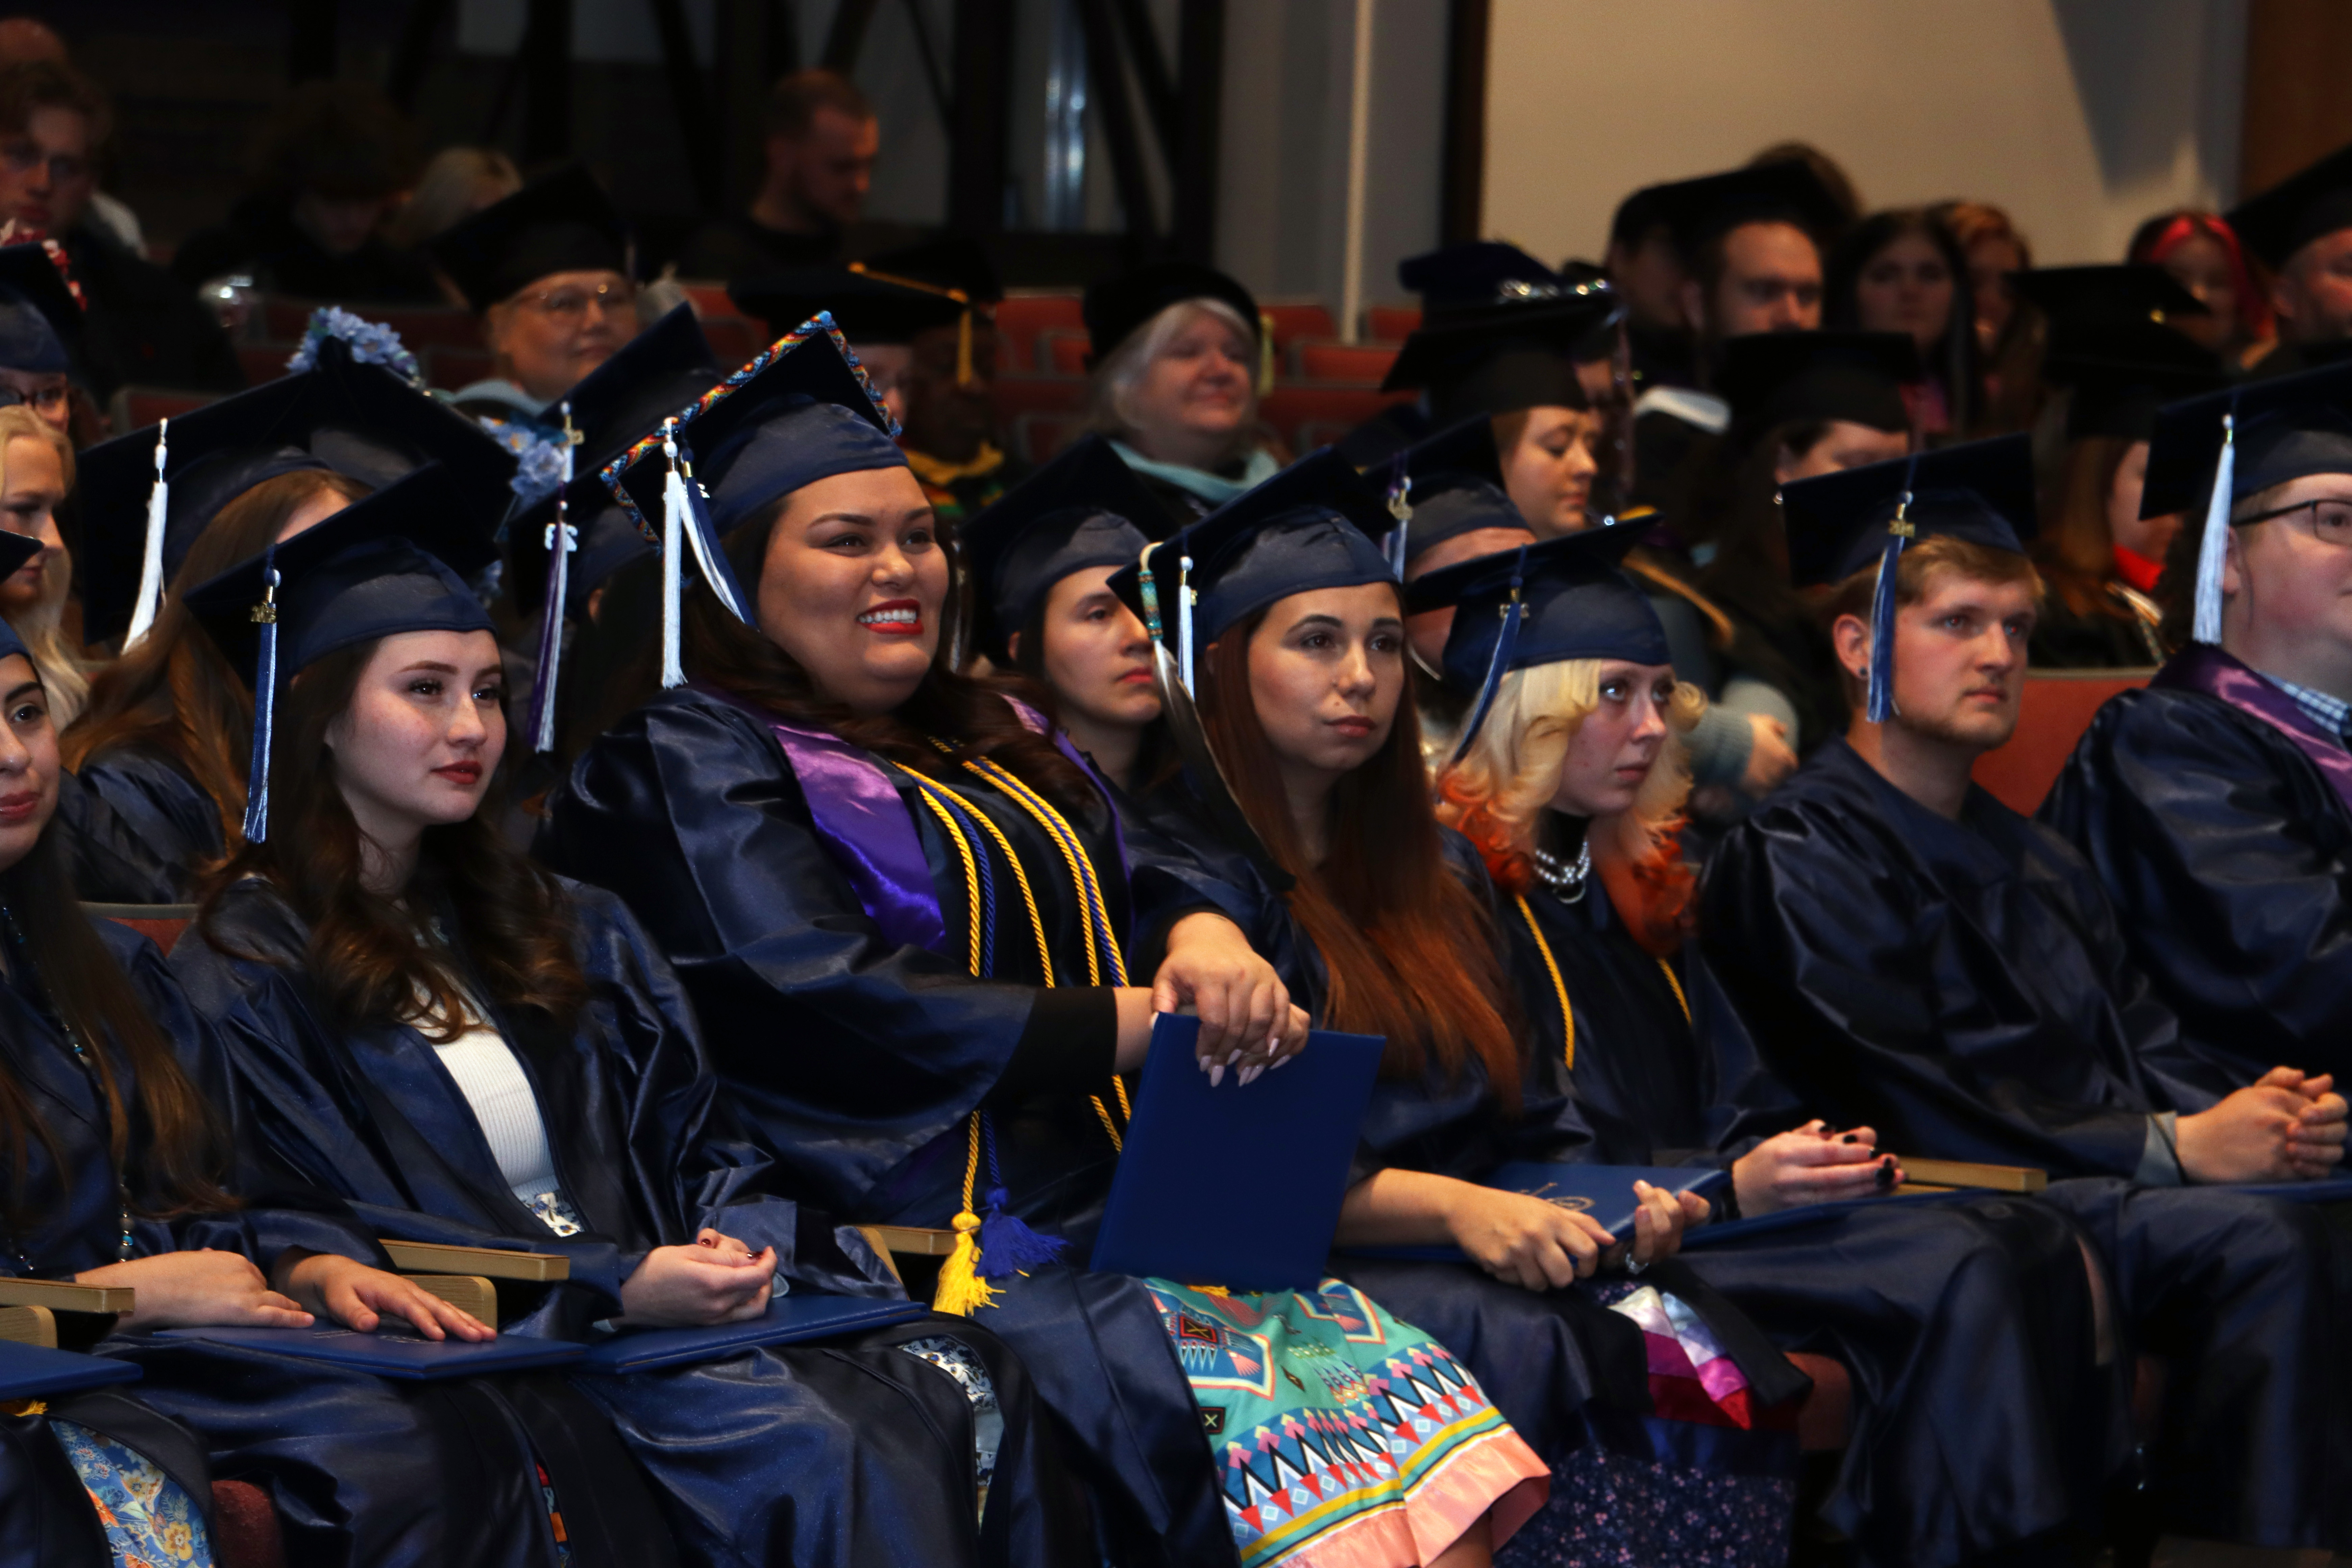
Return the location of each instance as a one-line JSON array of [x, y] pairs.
[[149, 1522]]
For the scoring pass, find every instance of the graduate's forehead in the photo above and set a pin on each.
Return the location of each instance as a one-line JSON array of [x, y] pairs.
[[1951, 588]]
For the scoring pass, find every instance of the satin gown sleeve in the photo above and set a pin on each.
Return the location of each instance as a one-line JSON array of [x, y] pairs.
[[110, 863], [159, 805], [844, 1049], [2228, 859]]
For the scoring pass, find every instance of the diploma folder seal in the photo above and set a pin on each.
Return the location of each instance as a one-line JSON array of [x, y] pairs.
[[399, 1355], [29, 1371], [789, 1320], [1604, 1192], [1237, 1186]]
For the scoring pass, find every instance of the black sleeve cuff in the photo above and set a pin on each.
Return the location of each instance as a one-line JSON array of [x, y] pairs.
[[1071, 1042]]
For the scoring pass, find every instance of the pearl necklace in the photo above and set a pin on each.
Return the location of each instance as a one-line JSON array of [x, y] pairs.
[[1566, 880]]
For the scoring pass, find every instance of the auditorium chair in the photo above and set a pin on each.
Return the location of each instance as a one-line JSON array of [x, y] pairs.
[[1354, 365], [137, 407], [1014, 396], [1288, 321], [263, 361], [733, 338], [2058, 707], [710, 298], [421, 327], [449, 366], [1391, 324], [1294, 405], [1024, 314], [1062, 351]]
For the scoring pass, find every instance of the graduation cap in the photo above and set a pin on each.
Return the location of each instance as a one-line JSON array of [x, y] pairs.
[[1116, 306], [867, 307], [2123, 371], [1478, 273], [562, 223], [1446, 486], [40, 320], [2125, 292], [801, 411], [1498, 358], [1080, 509], [1787, 191], [2226, 446], [2310, 203], [16, 549], [146, 496], [1778, 378], [948, 261], [386, 565], [1981, 491], [1564, 598]]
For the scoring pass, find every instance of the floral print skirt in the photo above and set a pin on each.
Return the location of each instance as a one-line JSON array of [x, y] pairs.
[[151, 1521]]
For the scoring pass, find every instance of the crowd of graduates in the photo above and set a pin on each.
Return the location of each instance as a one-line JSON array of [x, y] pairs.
[[730, 836]]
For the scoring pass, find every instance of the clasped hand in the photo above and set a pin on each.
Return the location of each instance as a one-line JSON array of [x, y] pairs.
[[2285, 1126], [718, 1279], [1813, 1165], [1526, 1241]]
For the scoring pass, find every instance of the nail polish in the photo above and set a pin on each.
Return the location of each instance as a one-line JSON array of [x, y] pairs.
[[1216, 1075], [1849, 1138]]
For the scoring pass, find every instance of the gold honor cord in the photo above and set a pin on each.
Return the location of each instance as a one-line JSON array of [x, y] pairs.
[[1678, 989], [1028, 898], [1559, 986], [971, 877]]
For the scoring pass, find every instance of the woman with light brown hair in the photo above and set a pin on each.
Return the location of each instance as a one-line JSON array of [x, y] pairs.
[[37, 473]]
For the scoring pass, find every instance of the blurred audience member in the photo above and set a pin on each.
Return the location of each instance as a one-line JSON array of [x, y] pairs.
[[948, 384], [456, 183], [140, 324], [1175, 367], [36, 471], [27, 39], [1644, 265], [2301, 228], [2009, 340], [2204, 257], [822, 140], [1901, 272], [1832, 176], [331, 166]]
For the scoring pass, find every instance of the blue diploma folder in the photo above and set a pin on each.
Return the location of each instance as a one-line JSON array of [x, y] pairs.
[[394, 1354], [28, 1372], [1236, 1186], [1604, 1192], [788, 1321]]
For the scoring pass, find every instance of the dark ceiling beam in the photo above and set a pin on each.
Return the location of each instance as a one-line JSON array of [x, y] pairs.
[[413, 56], [847, 37], [979, 129], [1463, 177], [547, 78], [1159, 89], [1200, 101], [1107, 80], [690, 97], [929, 60]]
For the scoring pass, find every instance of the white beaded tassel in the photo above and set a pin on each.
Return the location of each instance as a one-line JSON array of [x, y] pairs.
[[151, 567], [674, 522], [2213, 546]]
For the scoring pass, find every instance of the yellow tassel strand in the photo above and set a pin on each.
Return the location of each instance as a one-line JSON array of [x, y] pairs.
[[961, 1290], [1678, 989], [1559, 986]]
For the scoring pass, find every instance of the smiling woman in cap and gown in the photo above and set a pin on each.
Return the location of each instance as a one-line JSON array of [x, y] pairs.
[[2216, 805], [549, 271], [906, 917], [165, 737], [1952, 976], [1966, 1441]]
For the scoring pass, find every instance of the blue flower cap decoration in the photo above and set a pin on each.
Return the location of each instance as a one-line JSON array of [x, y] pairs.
[[539, 458], [372, 342]]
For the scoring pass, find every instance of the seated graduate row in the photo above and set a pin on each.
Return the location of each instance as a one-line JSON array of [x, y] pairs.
[[903, 921]]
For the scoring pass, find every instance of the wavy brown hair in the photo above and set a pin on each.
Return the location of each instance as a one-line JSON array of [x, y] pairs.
[[475, 906], [1409, 951], [2077, 551], [171, 1139], [174, 694], [970, 714]]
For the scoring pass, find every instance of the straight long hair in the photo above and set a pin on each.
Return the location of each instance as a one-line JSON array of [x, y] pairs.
[[2076, 552], [1410, 952], [174, 693], [476, 906], [177, 1149]]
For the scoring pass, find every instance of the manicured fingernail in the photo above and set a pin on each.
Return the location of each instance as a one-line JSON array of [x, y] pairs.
[[1216, 1075], [1849, 1138]]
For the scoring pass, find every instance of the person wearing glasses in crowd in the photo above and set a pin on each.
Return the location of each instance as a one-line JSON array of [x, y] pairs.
[[40, 339], [548, 271], [139, 323]]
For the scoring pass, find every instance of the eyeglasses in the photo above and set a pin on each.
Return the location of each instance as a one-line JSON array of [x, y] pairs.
[[43, 400], [569, 306], [2331, 519], [24, 157]]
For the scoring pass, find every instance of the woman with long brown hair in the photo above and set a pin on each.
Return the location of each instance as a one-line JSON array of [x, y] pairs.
[[1572, 793], [426, 1024], [1381, 919], [919, 940]]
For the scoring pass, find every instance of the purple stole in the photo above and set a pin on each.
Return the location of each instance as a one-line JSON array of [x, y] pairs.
[[2200, 666]]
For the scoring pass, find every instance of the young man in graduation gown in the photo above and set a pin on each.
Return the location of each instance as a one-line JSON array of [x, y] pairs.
[[2302, 230], [1913, 955], [2216, 806]]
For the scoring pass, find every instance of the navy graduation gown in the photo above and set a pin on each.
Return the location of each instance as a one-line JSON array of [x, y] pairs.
[[109, 859], [1962, 987], [159, 804], [360, 1468], [848, 1452], [2216, 815], [1978, 1418]]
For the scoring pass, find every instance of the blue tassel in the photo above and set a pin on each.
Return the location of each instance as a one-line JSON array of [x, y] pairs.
[[1882, 634], [265, 705], [1498, 664], [1009, 1246]]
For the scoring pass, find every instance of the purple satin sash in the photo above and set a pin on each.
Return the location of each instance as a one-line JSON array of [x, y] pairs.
[[864, 825], [2200, 666]]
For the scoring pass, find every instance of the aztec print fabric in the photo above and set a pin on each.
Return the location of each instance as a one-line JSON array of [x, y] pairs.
[[151, 1522], [1345, 1438]]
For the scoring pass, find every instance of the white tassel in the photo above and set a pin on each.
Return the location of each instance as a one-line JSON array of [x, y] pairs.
[[674, 522], [2213, 547], [1184, 620], [150, 569]]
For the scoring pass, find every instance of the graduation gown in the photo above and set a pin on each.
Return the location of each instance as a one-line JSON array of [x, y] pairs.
[[168, 814], [360, 1468], [818, 917], [1962, 987], [845, 1452], [1978, 1419], [2218, 819], [111, 861]]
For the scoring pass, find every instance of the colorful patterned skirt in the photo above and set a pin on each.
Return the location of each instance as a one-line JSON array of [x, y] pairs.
[[150, 1522], [1344, 1438]]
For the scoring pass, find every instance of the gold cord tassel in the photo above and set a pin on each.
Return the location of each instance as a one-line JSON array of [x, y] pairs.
[[961, 1290]]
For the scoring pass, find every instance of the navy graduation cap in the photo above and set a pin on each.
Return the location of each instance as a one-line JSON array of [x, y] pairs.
[[2123, 293], [1316, 524], [561, 222], [867, 306], [1784, 191], [16, 549], [2219, 448], [2314, 201], [1981, 491], [2121, 372], [801, 411], [1444, 487], [1455, 279], [1498, 358], [385, 565], [146, 496], [1541, 603], [1081, 509], [1780, 378], [40, 320]]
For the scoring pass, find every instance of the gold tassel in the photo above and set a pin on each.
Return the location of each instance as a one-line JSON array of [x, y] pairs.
[[961, 1290], [963, 348], [1264, 353]]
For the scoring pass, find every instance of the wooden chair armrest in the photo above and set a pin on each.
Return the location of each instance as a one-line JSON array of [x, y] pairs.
[[29, 1326], [881, 1246], [922, 1241], [1968, 1174], [489, 1262], [466, 1292], [65, 1296]]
